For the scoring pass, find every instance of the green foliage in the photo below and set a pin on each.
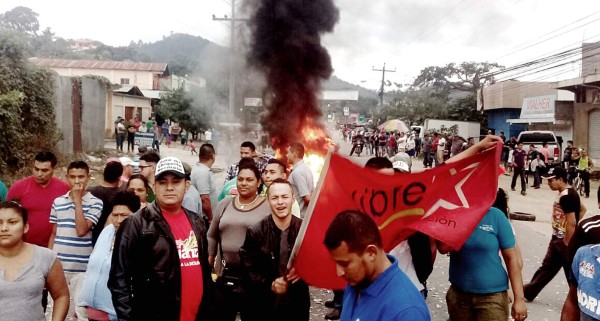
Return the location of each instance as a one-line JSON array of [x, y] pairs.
[[20, 19], [466, 76], [27, 113], [179, 106], [414, 106]]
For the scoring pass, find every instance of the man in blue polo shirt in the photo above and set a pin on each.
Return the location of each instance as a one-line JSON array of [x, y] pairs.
[[385, 292]]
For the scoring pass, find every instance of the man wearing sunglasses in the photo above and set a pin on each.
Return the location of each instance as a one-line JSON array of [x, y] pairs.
[[147, 167]]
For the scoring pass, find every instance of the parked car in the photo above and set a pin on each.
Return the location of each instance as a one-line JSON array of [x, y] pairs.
[[538, 138]]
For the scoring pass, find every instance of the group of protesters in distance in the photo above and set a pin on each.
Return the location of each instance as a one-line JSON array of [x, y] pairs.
[[160, 247]]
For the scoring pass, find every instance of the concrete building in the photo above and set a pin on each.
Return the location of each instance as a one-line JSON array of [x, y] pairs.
[[512, 106], [82, 44], [586, 111], [127, 102], [136, 86], [144, 75]]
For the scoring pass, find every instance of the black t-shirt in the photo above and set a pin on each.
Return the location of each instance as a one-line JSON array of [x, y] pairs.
[[534, 155], [567, 154], [106, 194], [519, 157], [571, 202], [586, 232]]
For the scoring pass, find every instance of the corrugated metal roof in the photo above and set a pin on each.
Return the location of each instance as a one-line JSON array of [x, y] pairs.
[[155, 94], [100, 64]]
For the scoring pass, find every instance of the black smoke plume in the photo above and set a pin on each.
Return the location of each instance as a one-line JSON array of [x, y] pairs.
[[286, 46]]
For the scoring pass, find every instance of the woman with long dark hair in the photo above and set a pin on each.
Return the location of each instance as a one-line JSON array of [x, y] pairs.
[[26, 269]]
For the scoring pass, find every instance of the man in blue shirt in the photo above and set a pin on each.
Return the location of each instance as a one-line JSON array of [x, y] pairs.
[[584, 294], [377, 289]]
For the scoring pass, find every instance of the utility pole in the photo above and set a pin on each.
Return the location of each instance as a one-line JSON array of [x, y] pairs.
[[231, 55], [383, 70]]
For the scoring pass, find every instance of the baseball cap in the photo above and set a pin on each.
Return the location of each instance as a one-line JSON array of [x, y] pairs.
[[126, 161], [169, 165], [556, 172], [400, 165], [187, 169]]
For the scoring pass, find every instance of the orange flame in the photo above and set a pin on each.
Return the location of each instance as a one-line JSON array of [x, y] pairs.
[[316, 143]]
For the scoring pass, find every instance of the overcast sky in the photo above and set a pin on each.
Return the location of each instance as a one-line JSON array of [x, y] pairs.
[[407, 35]]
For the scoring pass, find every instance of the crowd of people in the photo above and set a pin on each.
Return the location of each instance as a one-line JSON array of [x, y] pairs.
[[160, 241], [168, 132]]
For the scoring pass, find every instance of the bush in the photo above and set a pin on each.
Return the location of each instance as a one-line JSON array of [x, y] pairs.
[[27, 116]]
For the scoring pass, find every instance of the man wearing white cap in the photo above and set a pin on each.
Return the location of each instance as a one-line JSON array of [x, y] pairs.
[[160, 267], [128, 168]]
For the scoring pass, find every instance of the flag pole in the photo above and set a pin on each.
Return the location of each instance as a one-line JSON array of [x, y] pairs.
[[309, 210]]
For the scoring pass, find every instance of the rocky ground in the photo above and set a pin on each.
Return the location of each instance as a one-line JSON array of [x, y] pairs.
[[532, 237]]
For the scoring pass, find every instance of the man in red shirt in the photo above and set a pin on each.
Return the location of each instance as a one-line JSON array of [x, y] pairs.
[[36, 193], [160, 267]]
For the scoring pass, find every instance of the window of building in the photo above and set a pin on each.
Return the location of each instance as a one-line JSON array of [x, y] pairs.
[[124, 81]]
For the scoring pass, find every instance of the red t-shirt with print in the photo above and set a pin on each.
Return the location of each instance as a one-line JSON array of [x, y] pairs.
[[191, 270]]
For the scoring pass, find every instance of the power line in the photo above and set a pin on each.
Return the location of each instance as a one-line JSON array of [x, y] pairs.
[[437, 25], [383, 71], [549, 33]]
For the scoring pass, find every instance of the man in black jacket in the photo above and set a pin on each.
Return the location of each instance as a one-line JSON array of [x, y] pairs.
[[160, 265], [273, 291]]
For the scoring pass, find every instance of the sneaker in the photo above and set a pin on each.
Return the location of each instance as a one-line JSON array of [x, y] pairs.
[[333, 314], [512, 189], [523, 193]]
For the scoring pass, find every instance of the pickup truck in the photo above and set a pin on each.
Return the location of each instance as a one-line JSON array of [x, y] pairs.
[[537, 138]]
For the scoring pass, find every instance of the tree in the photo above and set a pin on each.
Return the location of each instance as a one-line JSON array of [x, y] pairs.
[[26, 108], [179, 106], [20, 19], [462, 109], [414, 106], [466, 76]]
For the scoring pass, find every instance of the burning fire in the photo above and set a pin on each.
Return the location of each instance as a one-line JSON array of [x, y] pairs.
[[315, 163], [316, 144]]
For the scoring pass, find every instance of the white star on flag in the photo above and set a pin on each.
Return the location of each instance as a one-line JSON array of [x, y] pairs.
[[442, 203]]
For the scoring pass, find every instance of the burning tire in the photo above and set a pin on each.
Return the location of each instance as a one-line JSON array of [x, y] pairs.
[[521, 216]]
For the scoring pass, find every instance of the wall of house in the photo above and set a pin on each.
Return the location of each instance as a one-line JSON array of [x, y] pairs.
[[497, 121], [64, 117], [581, 123], [563, 115], [120, 103], [142, 79], [93, 105], [510, 94], [590, 59]]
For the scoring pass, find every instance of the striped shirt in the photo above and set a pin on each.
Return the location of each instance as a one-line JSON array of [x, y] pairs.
[[72, 250]]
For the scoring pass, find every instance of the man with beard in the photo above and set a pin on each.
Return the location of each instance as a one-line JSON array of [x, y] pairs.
[[160, 267], [275, 292]]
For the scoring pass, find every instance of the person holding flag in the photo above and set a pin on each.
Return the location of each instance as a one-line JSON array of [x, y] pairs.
[[273, 291], [445, 203]]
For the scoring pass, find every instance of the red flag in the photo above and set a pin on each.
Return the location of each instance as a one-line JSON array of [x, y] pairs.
[[446, 202]]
